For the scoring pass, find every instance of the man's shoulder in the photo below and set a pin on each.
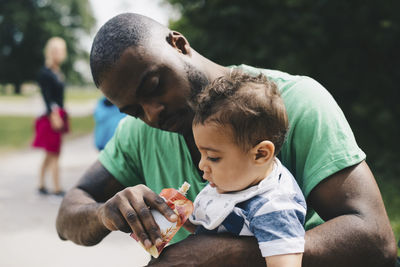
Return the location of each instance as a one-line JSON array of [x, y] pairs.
[[131, 129], [130, 121], [270, 73]]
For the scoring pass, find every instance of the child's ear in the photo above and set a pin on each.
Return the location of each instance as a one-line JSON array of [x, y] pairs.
[[263, 151]]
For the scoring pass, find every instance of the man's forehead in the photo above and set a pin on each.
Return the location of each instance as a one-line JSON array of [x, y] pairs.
[[127, 71]]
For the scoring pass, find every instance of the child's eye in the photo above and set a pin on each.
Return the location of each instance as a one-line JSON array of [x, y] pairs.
[[213, 159]]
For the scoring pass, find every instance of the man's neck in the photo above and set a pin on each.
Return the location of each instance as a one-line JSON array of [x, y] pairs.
[[210, 68]]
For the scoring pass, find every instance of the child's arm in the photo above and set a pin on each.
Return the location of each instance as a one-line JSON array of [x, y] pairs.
[[285, 260]]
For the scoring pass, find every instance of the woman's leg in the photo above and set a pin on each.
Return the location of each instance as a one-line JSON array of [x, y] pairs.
[[42, 176], [56, 172]]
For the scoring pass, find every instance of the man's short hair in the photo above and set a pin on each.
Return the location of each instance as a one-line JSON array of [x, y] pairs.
[[114, 37], [251, 105]]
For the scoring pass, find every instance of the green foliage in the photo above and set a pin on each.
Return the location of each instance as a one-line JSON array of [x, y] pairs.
[[351, 47], [26, 25]]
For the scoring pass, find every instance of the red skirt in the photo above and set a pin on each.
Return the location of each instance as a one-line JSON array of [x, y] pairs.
[[46, 137]]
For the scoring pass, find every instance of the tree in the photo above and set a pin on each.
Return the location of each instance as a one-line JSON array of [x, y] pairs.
[[26, 25], [351, 47]]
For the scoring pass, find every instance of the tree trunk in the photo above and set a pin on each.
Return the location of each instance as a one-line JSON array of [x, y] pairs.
[[17, 88]]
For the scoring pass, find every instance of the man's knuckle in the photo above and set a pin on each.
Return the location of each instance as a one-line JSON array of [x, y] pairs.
[[144, 212], [131, 216], [140, 187], [159, 200], [118, 196], [130, 195], [110, 207]]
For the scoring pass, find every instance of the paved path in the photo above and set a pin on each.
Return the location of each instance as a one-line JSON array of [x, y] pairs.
[[27, 232]]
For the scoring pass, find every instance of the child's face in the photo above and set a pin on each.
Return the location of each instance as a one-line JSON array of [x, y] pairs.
[[225, 165]]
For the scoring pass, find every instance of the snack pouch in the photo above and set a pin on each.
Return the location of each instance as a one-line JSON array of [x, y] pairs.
[[182, 206]]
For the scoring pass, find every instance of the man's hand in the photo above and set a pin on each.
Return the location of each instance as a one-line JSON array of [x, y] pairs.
[[129, 211], [100, 204]]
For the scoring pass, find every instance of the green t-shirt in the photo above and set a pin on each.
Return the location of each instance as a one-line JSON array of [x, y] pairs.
[[319, 143]]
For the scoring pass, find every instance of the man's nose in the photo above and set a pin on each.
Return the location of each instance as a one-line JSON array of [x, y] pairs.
[[152, 111]]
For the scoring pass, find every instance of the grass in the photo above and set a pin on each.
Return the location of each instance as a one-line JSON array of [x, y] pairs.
[[16, 132], [6, 97], [78, 94], [72, 94]]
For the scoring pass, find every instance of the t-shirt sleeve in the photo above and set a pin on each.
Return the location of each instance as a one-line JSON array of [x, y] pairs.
[[320, 141], [121, 157], [278, 231]]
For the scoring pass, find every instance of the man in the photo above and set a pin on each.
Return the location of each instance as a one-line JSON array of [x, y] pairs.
[[152, 73]]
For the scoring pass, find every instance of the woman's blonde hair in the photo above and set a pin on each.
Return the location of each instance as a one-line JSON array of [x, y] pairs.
[[52, 44]]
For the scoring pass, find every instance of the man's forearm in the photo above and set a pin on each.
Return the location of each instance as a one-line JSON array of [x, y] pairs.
[[324, 246], [77, 219], [357, 231], [212, 250], [367, 244]]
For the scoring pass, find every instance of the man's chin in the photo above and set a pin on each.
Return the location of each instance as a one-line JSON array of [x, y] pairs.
[[181, 124], [175, 128]]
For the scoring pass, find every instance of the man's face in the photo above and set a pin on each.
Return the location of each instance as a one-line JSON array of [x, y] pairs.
[[155, 86]]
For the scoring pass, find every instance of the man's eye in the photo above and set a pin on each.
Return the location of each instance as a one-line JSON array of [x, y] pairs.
[[153, 89], [213, 159]]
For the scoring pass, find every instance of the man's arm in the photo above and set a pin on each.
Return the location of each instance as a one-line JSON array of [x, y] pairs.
[[100, 204], [77, 218], [356, 233]]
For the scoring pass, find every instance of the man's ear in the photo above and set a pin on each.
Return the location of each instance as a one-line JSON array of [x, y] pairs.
[[263, 151], [179, 42]]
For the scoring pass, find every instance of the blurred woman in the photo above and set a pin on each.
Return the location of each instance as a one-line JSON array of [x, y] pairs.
[[50, 126]]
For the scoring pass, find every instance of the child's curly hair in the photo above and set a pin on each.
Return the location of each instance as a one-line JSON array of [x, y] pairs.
[[251, 105]]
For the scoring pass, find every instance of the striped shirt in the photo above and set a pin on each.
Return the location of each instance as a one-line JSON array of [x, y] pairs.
[[273, 211]]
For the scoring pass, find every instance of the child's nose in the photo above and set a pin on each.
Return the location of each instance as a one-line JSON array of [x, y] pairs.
[[201, 164]]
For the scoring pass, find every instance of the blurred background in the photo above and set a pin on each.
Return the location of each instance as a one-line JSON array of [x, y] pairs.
[[350, 47]]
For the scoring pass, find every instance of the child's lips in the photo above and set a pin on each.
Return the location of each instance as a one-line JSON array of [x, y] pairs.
[[208, 178], [212, 184]]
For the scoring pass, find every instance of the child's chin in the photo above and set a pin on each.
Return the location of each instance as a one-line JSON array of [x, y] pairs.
[[220, 191]]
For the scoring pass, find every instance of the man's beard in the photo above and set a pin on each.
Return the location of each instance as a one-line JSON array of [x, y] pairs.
[[197, 79], [180, 121]]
